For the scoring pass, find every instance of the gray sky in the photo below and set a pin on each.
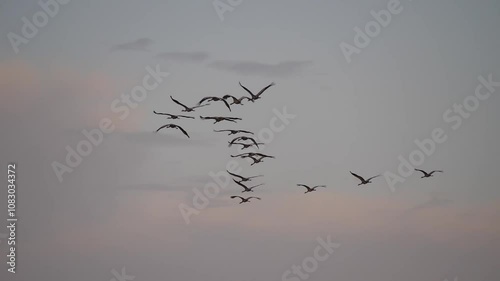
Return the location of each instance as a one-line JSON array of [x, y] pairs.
[[120, 206]]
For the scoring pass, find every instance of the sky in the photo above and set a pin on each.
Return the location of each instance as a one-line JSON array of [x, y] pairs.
[[121, 207]]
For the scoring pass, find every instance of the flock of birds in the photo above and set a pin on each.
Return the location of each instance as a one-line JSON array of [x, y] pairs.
[[245, 141]]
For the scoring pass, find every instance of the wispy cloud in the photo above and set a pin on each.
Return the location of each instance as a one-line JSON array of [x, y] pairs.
[[191, 57], [141, 44], [283, 68], [436, 200]]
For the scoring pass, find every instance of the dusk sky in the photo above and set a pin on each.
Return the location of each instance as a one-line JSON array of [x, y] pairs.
[[432, 72]]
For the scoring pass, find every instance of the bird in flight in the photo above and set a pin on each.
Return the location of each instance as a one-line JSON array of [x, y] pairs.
[[257, 160], [256, 96], [247, 145], [172, 116], [187, 109], [242, 178], [252, 155], [243, 138], [234, 132], [218, 119], [173, 126], [243, 200], [246, 188], [209, 99], [310, 189], [236, 100], [363, 181], [428, 175]]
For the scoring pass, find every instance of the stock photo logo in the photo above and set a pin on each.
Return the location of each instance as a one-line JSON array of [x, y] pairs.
[[223, 6], [121, 106], [372, 29], [454, 117], [310, 264], [31, 27]]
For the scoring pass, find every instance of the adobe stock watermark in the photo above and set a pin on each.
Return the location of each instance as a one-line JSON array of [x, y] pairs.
[[453, 116], [310, 264], [221, 179], [121, 276], [121, 106], [30, 28], [372, 29], [223, 6]]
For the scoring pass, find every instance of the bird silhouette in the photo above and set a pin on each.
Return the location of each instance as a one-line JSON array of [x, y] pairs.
[[243, 138], [209, 99], [172, 116], [234, 132], [363, 181], [236, 100], [310, 189], [186, 108], [256, 96], [428, 175], [252, 155], [218, 119], [247, 145], [173, 126], [246, 188], [242, 178], [243, 200]]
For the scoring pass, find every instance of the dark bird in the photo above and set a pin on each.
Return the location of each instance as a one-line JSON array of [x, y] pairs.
[[173, 126], [172, 116], [428, 175], [257, 160], [243, 139], [187, 109], [247, 145], [310, 189], [257, 96], [246, 188], [252, 155], [243, 200], [234, 132], [363, 181], [218, 119], [209, 99], [236, 100], [242, 178]]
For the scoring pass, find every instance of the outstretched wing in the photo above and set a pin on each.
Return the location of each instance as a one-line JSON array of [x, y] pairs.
[[303, 185], [436, 171], [198, 106], [422, 171], [160, 113], [240, 184], [235, 196], [245, 132], [234, 175], [255, 186], [163, 127], [263, 90], [205, 99], [227, 104], [319, 186], [357, 176], [254, 142], [177, 102], [253, 197], [248, 91], [182, 130], [373, 177]]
